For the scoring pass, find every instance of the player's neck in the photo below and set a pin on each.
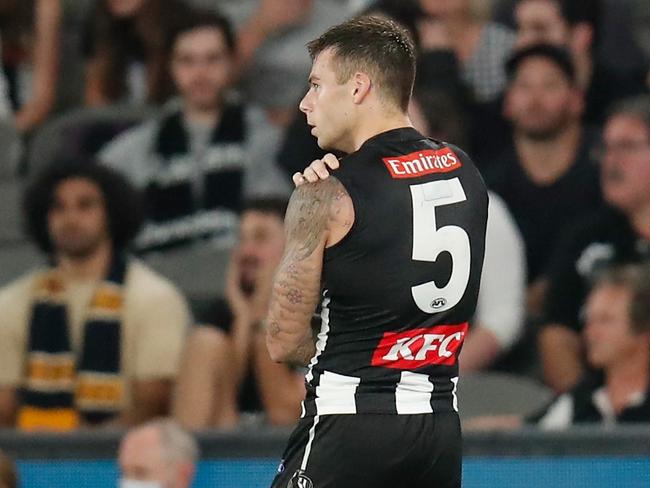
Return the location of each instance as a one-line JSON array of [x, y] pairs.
[[377, 124], [90, 267]]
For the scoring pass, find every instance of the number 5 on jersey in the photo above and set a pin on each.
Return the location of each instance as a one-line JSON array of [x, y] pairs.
[[429, 241]]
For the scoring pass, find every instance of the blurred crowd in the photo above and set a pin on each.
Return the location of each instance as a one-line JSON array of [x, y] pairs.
[[139, 133]]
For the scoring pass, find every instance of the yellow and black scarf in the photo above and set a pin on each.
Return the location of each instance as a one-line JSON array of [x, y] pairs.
[[62, 390]]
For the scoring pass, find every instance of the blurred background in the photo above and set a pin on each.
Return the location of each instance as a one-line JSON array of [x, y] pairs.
[[146, 154]]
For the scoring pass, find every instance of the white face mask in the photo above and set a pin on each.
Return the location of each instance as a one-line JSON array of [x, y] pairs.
[[128, 483]]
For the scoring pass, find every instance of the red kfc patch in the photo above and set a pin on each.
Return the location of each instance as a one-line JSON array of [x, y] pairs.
[[415, 348]]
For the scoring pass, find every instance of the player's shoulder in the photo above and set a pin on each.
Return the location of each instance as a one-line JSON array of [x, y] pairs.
[[318, 207]]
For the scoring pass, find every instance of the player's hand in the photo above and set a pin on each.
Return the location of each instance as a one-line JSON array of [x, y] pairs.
[[319, 169]]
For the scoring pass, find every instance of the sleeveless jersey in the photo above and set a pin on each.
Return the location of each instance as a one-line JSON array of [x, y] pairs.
[[401, 286]]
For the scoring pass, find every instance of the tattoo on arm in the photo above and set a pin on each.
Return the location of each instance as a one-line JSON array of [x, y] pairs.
[[296, 287]]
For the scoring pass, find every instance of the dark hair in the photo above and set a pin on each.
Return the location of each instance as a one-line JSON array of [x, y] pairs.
[[404, 12], [381, 47], [581, 11], [124, 205], [203, 19], [114, 41], [273, 205], [636, 278], [637, 107], [557, 55]]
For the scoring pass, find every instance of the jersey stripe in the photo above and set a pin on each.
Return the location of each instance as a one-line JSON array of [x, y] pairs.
[[312, 434], [454, 380], [321, 342], [335, 394], [413, 393]]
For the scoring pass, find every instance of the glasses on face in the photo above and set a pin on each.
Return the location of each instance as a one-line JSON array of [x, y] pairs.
[[622, 148]]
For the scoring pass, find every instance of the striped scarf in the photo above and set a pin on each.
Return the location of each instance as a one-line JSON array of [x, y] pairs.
[[62, 390]]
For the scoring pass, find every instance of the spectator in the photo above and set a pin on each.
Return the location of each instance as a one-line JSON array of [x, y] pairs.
[[574, 25], [617, 234], [549, 165], [481, 47], [31, 31], [196, 161], [500, 312], [8, 474], [229, 358], [124, 323], [126, 51], [617, 339], [158, 453], [271, 49]]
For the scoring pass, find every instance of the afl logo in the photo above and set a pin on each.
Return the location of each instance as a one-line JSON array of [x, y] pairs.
[[438, 303], [299, 480]]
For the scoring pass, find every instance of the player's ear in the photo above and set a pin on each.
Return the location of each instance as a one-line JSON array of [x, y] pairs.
[[360, 87]]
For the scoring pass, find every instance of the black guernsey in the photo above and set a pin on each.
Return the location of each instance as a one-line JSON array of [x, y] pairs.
[[400, 288]]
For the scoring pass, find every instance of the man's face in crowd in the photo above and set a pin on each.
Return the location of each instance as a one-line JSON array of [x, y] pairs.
[[540, 21], [328, 104], [625, 163], [261, 243], [540, 100], [201, 67], [607, 330], [143, 463], [77, 218]]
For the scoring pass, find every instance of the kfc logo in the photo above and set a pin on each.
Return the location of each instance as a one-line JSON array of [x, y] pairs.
[[420, 347], [422, 163]]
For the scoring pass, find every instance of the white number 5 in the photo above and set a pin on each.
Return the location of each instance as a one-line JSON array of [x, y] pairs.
[[429, 241]]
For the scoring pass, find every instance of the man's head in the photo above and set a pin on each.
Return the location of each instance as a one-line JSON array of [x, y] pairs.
[[542, 98], [8, 476], [572, 24], [261, 238], [625, 158], [618, 315], [202, 55], [362, 69], [74, 208], [157, 454]]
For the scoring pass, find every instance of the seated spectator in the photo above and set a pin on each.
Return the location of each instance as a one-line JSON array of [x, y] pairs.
[[573, 24], [31, 31], [547, 177], [8, 474], [96, 337], [271, 48], [195, 161], [227, 368], [617, 234], [125, 51], [617, 340], [158, 453], [480, 47]]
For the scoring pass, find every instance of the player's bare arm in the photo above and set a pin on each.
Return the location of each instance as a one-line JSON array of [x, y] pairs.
[[319, 214]]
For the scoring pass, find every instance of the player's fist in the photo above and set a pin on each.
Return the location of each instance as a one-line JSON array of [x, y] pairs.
[[319, 169]]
